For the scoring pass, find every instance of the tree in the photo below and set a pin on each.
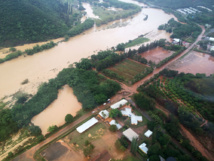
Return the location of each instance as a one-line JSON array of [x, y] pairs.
[[35, 130], [134, 146], [69, 118], [115, 113], [113, 128], [120, 47], [52, 129], [154, 149], [88, 150]]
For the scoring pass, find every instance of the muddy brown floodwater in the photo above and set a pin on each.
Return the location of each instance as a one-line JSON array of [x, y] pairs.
[[46, 65], [55, 113], [194, 62], [156, 55]]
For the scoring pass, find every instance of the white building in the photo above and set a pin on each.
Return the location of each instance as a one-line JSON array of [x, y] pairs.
[[87, 125], [143, 148], [130, 134], [148, 133], [119, 104], [134, 119], [113, 122], [212, 48], [104, 114], [211, 39]]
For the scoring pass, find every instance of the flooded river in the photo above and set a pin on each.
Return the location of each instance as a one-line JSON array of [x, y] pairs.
[[55, 113], [45, 65]]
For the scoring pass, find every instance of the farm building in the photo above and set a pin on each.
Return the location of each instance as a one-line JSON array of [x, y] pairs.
[[130, 134], [148, 133], [104, 114], [143, 148], [134, 119], [119, 104], [113, 122], [87, 125]]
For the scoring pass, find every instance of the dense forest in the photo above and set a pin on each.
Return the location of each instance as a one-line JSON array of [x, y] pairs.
[[174, 4], [31, 21]]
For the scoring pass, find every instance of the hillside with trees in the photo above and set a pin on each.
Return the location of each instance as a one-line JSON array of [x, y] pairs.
[[32, 21]]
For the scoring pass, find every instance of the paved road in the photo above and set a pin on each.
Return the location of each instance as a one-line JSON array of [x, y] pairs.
[[28, 155]]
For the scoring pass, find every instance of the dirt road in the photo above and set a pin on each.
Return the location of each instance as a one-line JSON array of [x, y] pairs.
[[28, 155]]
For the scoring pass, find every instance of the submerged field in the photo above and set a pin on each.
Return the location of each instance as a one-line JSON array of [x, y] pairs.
[[128, 69], [194, 62]]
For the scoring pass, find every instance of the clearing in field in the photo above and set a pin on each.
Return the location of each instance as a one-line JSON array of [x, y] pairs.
[[128, 69]]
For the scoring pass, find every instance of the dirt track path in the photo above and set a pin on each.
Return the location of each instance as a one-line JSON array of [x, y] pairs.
[[28, 155]]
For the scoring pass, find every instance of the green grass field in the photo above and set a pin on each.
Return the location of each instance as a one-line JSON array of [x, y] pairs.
[[91, 134], [128, 69], [136, 41]]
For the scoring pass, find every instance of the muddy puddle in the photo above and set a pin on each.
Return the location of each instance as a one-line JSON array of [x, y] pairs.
[[194, 62], [55, 113], [156, 55]]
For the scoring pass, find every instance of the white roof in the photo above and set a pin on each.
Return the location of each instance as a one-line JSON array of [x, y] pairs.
[[127, 112], [113, 122], [134, 118], [130, 134], [177, 40], [104, 114], [143, 148], [87, 125], [211, 38], [148, 133], [118, 104], [212, 48]]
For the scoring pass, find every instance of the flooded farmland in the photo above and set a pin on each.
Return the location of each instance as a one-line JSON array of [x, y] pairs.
[[156, 55], [55, 113], [194, 62]]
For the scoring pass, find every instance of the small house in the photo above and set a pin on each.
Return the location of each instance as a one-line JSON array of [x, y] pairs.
[[130, 134]]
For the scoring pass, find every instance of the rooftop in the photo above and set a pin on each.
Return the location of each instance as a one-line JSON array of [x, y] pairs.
[[87, 125], [143, 148], [130, 134], [119, 104], [113, 122], [104, 114], [148, 133]]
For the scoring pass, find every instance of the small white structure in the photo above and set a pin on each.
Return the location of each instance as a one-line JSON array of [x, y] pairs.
[[134, 118], [130, 134], [176, 41], [87, 125], [211, 39], [104, 114], [143, 148], [113, 122], [119, 104], [148, 133], [212, 48]]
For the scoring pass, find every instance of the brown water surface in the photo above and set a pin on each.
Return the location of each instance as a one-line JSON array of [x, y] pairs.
[[46, 65], [55, 113], [194, 62], [156, 55]]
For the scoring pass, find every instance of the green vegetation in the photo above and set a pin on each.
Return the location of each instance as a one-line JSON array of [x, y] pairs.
[[113, 128], [44, 20], [69, 118], [88, 149], [130, 71], [188, 32], [52, 129], [38, 48], [122, 143], [115, 113], [136, 41], [95, 132]]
